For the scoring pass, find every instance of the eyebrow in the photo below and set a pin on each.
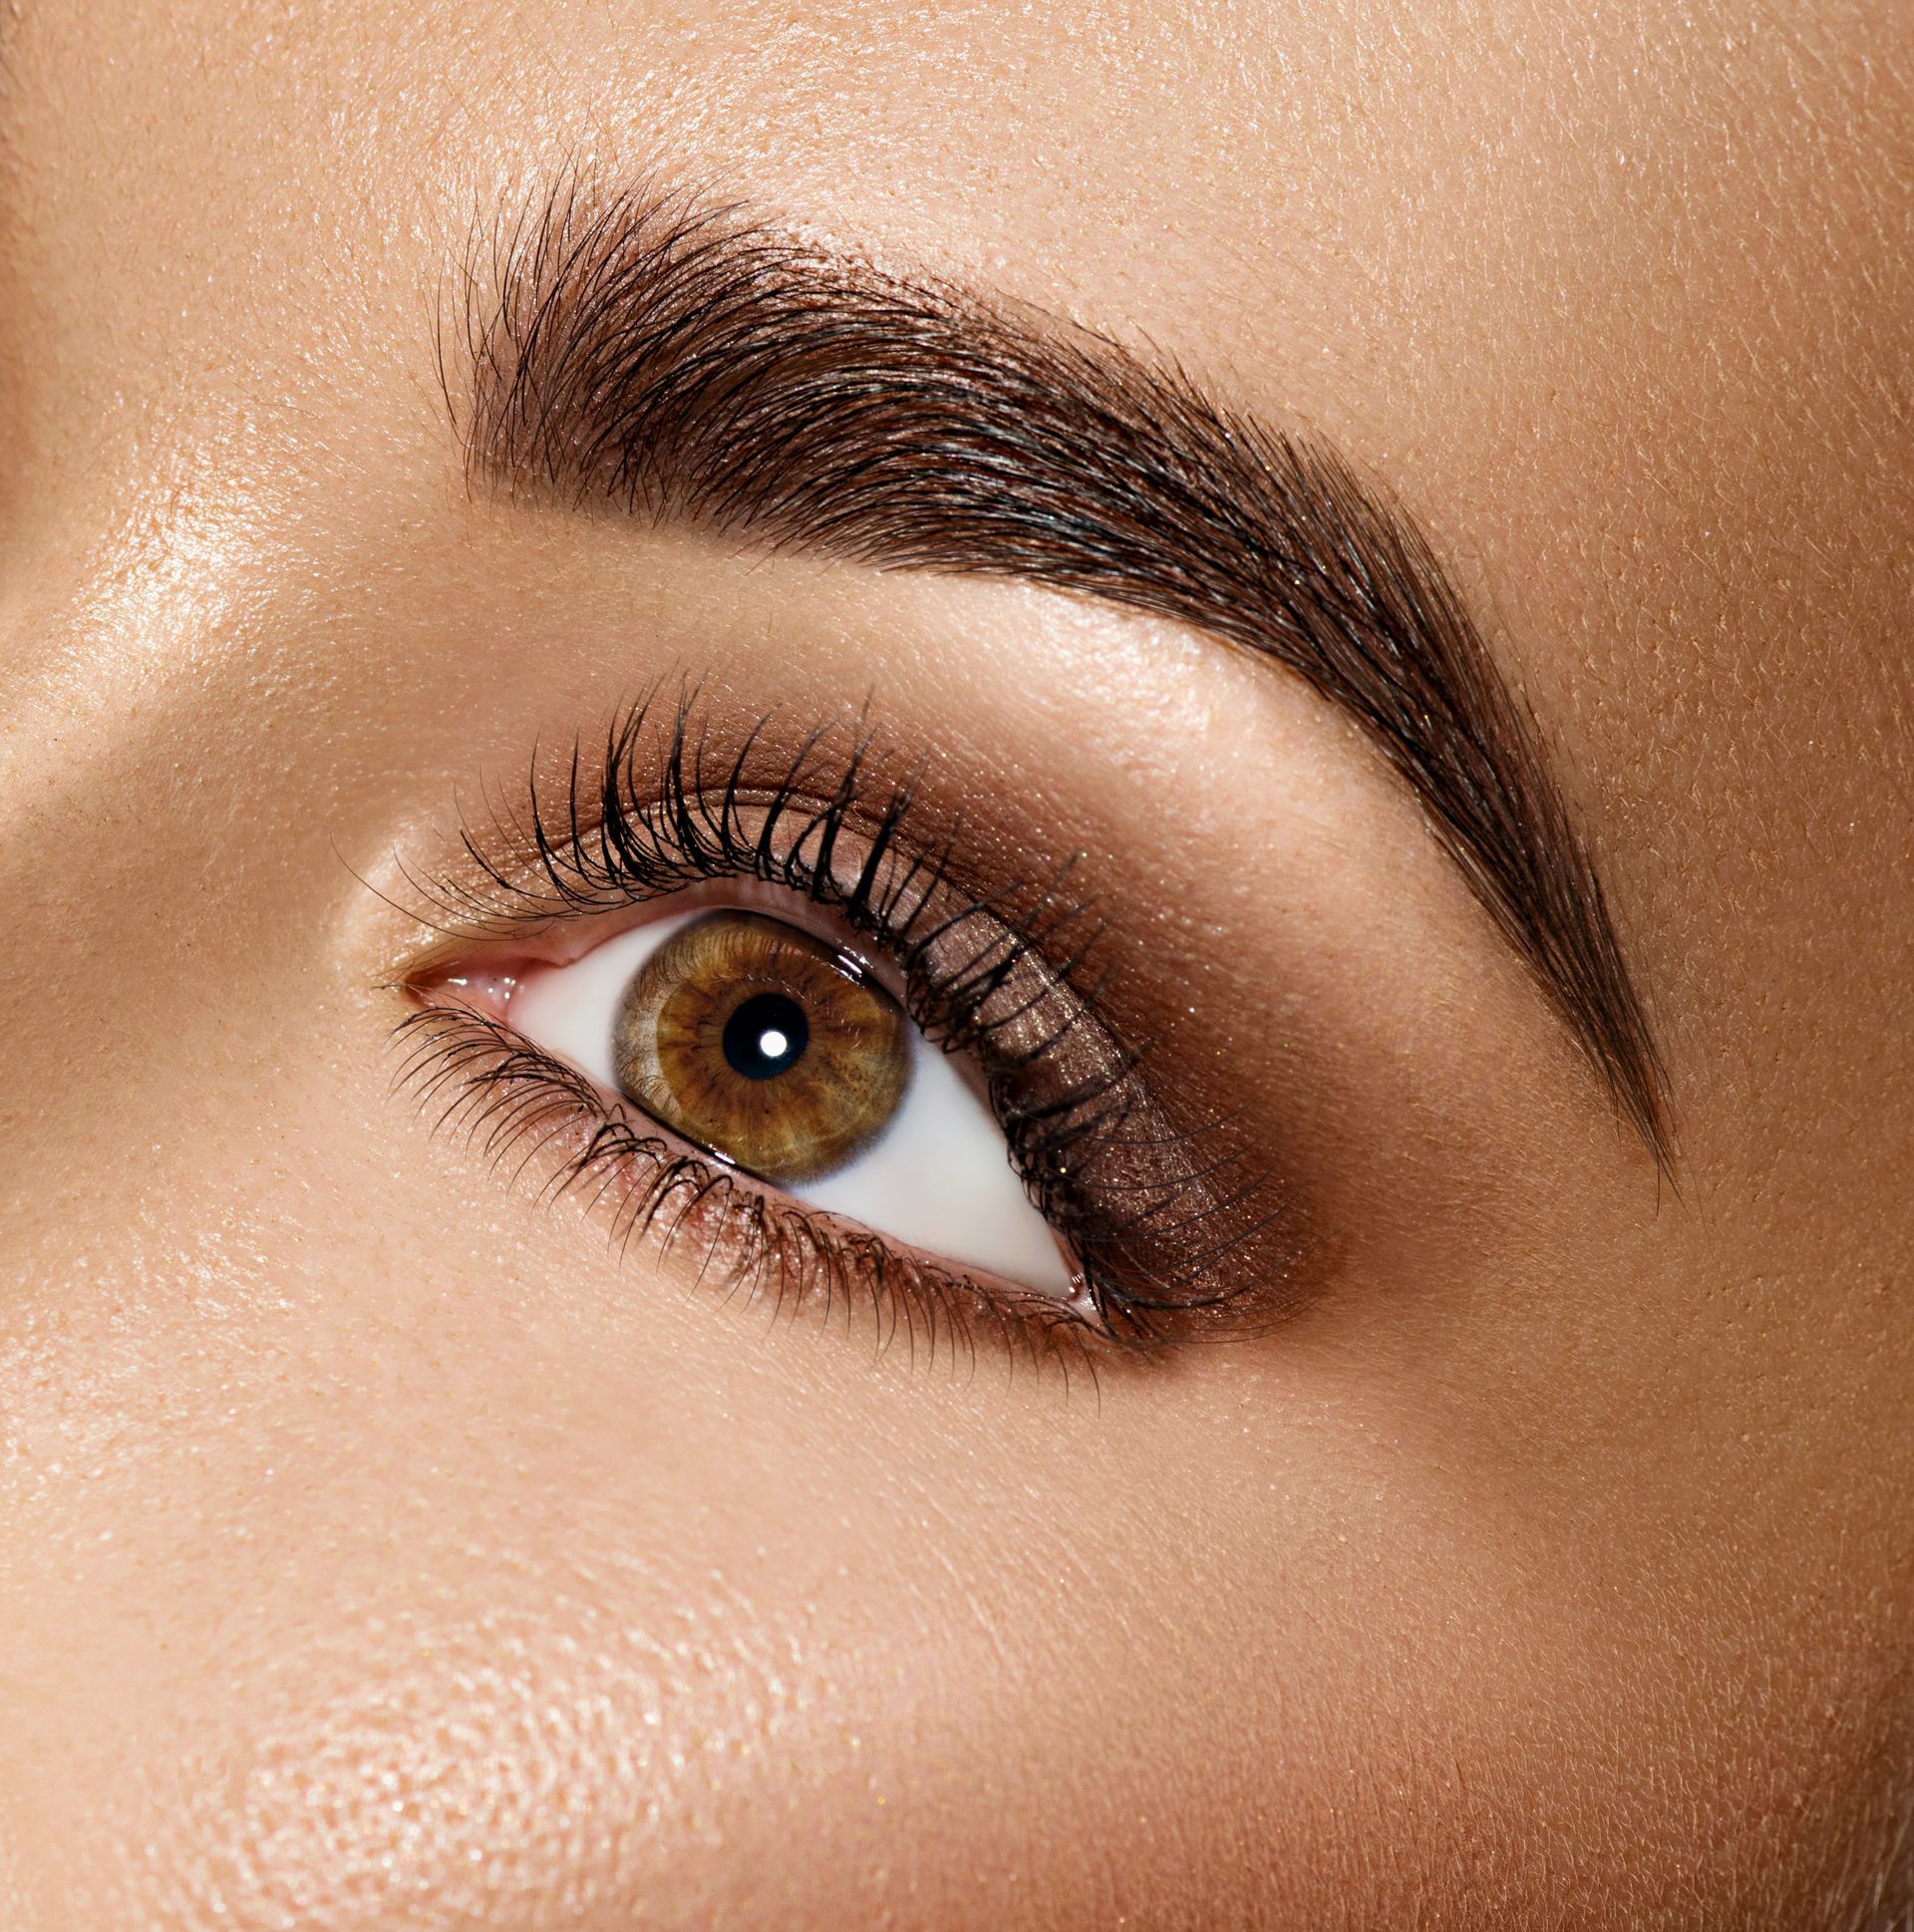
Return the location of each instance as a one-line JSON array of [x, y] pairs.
[[694, 365]]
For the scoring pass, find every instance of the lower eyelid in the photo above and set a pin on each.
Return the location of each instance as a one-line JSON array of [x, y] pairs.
[[532, 1117], [972, 1217]]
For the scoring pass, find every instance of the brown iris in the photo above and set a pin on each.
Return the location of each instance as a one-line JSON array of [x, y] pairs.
[[763, 1043]]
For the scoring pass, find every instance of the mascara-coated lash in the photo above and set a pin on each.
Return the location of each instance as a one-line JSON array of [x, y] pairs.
[[1175, 1230]]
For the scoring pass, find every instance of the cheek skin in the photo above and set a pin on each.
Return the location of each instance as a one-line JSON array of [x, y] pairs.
[[352, 1546], [399, 1603], [462, 1683]]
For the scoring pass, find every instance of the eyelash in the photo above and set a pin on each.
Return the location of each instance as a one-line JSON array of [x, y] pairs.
[[517, 1103], [1135, 1206]]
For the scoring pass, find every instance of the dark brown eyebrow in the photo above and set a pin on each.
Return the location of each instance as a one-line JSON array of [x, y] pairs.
[[691, 363]]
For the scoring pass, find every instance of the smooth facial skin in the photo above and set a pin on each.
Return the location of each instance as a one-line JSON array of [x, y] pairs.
[[382, 1546]]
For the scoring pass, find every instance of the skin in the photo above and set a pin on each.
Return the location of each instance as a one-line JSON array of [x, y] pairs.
[[377, 1550]]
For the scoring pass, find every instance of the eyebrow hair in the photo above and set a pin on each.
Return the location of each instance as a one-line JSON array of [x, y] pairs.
[[693, 365]]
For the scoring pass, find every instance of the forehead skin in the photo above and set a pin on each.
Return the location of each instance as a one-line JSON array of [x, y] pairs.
[[350, 1578]]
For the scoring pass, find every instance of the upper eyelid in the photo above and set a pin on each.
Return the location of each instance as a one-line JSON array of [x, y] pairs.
[[827, 817], [701, 366], [989, 967], [517, 870], [564, 941]]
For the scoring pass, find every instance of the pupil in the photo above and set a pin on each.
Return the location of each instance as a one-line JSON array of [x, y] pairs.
[[766, 1036]]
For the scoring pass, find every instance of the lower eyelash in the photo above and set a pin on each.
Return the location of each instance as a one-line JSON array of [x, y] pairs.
[[530, 1114]]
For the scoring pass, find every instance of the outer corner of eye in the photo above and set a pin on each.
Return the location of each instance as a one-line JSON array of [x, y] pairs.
[[779, 1052]]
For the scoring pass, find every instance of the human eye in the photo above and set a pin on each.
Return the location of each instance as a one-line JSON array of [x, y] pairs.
[[752, 998], [775, 1048]]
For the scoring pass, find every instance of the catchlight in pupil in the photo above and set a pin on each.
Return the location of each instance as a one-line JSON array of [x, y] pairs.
[[766, 1036]]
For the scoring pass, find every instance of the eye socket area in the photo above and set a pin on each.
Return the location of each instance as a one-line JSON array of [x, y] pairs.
[[777, 1048]]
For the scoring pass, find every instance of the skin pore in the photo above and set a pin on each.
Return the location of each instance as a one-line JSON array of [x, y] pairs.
[[382, 1546]]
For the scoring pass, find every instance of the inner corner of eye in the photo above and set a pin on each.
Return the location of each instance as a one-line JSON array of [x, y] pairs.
[[487, 989]]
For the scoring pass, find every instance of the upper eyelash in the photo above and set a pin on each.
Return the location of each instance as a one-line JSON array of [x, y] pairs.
[[615, 839]]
